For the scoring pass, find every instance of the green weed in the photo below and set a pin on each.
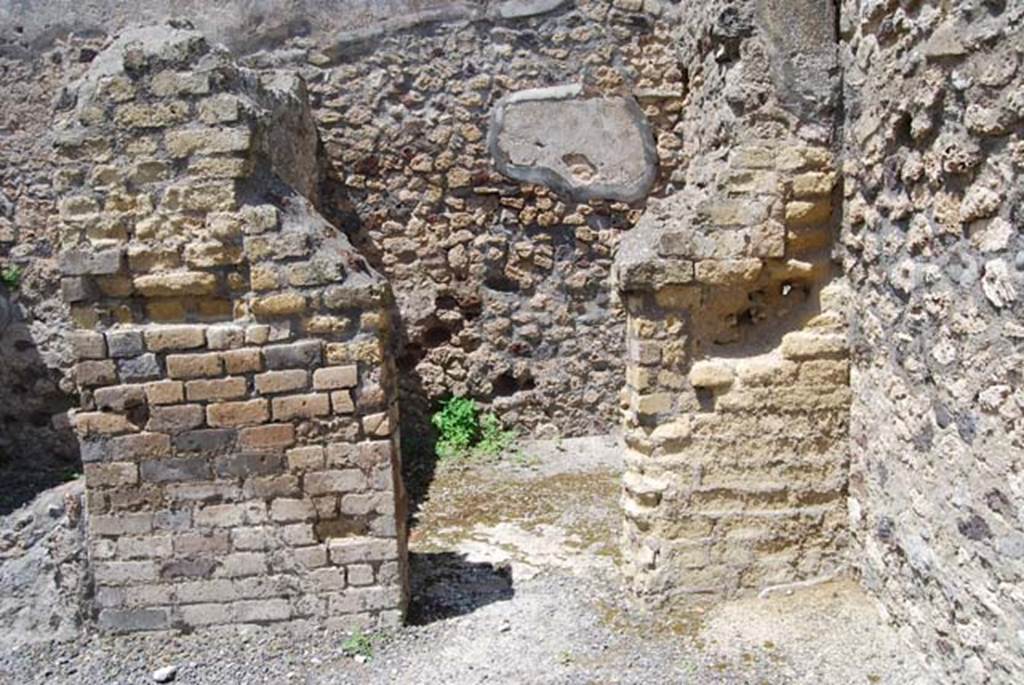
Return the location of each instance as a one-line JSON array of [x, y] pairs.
[[10, 276], [464, 434], [358, 644]]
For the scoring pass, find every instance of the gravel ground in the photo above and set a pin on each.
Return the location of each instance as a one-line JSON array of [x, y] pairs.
[[514, 582]]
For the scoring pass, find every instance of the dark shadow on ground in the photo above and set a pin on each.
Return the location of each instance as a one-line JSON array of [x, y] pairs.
[[445, 585], [36, 452]]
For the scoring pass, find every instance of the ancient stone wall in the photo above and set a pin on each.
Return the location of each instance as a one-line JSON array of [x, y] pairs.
[[932, 249], [737, 380], [501, 285], [238, 422]]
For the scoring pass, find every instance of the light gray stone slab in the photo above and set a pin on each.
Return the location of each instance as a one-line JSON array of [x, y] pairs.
[[587, 145]]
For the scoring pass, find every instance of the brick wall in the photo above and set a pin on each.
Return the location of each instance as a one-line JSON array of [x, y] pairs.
[[737, 390], [238, 416]]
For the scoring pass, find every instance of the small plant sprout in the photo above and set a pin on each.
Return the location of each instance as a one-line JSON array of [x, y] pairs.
[[463, 433], [358, 644], [10, 276]]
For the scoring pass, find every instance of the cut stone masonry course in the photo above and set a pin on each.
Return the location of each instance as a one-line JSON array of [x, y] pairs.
[[184, 451]]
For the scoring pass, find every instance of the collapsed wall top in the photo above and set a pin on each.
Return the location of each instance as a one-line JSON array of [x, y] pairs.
[[238, 421], [187, 192]]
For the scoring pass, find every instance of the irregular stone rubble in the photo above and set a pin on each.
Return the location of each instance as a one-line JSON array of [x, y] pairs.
[[501, 285], [931, 242], [238, 423]]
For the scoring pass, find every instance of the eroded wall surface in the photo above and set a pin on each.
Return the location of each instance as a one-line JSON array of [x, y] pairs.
[[932, 249], [737, 396], [501, 285], [238, 422]]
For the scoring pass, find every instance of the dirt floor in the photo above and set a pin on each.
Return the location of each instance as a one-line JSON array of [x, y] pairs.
[[514, 581]]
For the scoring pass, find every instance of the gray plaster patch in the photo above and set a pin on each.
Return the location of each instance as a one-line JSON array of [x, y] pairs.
[[589, 146], [515, 9]]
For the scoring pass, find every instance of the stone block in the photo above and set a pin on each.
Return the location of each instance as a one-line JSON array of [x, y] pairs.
[[333, 482], [237, 414], [140, 446], [91, 263], [184, 142], [300, 406], [311, 557], [656, 403], [119, 398], [157, 115], [90, 374], [270, 436], [144, 546], [820, 372], [297, 355], [804, 345], [739, 212], [377, 425], [341, 402], [123, 523], [813, 184], [279, 305], [77, 289], [196, 567], [225, 337], [121, 343], [768, 240], [359, 504], [802, 213], [309, 458], [711, 374], [124, 572], [261, 537], [373, 454], [260, 611], [241, 564], [175, 419], [103, 423], [282, 381], [206, 440], [365, 599], [218, 389], [165, 392], [335, 377], [134, 620], [194, 365], [728, 271], [145, 367], [88, 345], [111, 474], [209, 543], [228, 515], [175, 338], [298, 534], [176, 284], [766, 370], [206, 614], [172, 519], [209, 590], [246, 464], [242, 361], [359, 574], [287, 510], [266, 487], [219, 109], [175, 470]]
